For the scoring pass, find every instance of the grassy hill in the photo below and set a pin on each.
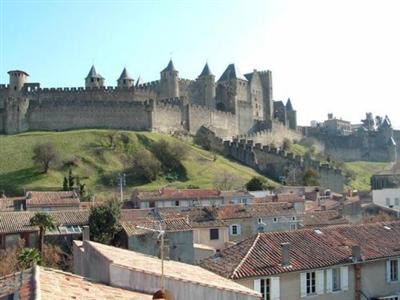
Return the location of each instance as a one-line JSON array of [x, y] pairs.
[[97, 156], [363, 171]]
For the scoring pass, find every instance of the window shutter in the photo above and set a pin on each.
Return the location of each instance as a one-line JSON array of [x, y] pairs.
[[275, 288], [303, 282], [320, 282], [344, 278], [388, 270], [329, 281], [239, 229], [230, 229], [257, 285]]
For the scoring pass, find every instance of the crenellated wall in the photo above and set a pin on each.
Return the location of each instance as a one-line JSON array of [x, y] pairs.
[[273, 162]]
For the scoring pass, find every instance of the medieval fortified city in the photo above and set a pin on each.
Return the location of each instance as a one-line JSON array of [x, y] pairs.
[[216, 187]]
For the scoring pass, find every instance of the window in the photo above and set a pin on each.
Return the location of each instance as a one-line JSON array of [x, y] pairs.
[[310, 283], [259, 221], [396, 201], [387, 201], [336, 279], [265, 288], [152, 204], [393, 270], [177, 203], [275, 220], [91, 79], [293, 218], [214, 234], [293, 227], [268, 287], [235, 229]]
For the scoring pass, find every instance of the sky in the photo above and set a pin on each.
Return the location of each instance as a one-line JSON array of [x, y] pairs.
[[340, 57]]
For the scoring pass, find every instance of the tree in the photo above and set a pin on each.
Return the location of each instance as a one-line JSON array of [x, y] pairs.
[[310, 178], [225, 181], [28, 257], [71, 180], [104, 221], [44, 155], [145, 166], [45, 222], [65, 184], [287, 144], [255, 184], [170, 155]]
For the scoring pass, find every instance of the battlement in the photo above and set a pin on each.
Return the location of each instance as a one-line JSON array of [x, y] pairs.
[[175, 101], [202, 108], [149, 85]]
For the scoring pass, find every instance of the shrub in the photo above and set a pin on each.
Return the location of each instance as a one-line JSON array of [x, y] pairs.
[[104, 221], [145, 166], [255, 184]]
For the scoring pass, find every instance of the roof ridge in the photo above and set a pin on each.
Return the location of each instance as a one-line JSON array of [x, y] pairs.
[[246, 256]]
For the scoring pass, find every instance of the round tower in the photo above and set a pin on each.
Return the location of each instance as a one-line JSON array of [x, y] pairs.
[[206, 81], [125, 80], [169, 82], [94, 79], [17, 81]]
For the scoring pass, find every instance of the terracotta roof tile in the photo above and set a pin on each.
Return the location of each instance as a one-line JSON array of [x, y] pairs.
[[19, 221], [169, 225], [255, 210], [323, 218], [260, 255], [167, 194], [69, 198]]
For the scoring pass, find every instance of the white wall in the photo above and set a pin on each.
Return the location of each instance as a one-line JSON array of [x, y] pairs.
[[385, 196]]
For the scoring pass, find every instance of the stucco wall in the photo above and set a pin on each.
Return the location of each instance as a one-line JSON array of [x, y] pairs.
[[202, 236]]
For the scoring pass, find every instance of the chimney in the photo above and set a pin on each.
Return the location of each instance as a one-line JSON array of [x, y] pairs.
[[356, 253], [86, 233], [285, 254]]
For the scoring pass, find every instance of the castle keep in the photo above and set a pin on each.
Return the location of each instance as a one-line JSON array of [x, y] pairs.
[[235, 104]]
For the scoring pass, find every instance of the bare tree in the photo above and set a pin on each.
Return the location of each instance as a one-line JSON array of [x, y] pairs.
[[44, 155], [225, 181]]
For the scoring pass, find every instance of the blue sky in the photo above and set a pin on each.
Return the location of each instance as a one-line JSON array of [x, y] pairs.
[[327, 56]]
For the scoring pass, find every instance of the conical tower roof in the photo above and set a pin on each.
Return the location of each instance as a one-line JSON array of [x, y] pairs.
[[232, 72], [206, 71], [170, 67], [139, 81], [125, 75], [289, 106], [386, 123], [93, 73]]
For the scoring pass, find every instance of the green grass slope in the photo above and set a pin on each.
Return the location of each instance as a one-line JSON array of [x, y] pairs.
[[97, 161], [362, 172]]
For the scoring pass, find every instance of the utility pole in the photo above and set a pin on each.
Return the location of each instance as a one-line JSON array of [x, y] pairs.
[[161, 233], [122, 183]]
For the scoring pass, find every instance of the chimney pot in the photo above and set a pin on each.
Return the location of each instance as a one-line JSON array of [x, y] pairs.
[[86, 233], [356, 253], [285, 254]]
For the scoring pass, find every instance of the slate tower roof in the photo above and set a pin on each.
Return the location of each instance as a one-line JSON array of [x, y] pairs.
[[93, 73], [231, 72], [206, 71]]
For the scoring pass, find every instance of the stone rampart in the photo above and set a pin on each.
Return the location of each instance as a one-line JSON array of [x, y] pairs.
[[69, 114]]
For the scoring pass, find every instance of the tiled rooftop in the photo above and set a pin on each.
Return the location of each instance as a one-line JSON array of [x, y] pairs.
[[69, 198], [169, 225], [261, 255], [323, 218], [172, 269], [19, 221], [255, 210], [45, 283], [167, 194]]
